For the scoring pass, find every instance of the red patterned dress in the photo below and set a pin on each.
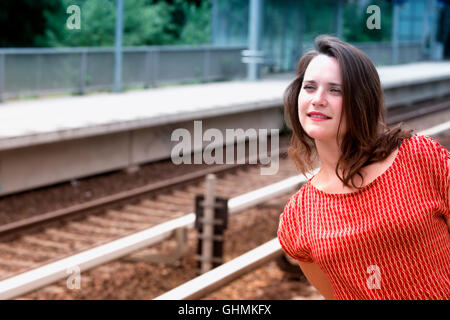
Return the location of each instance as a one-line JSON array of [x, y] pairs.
[[388, 240]]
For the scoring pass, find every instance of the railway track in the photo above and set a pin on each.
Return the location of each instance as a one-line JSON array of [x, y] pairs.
[[89, 226], [128, 197], [62, 240]]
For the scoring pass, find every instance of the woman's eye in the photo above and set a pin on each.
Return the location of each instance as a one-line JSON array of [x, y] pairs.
[[335, 90], [307, 87]]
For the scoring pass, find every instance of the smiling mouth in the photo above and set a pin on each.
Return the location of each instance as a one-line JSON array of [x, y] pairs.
[[317, 116]]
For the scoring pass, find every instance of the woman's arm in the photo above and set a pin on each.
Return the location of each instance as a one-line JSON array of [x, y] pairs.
[[317, 278], [448, 218]]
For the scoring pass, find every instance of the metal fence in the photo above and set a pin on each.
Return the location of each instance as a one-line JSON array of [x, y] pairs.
[[28, 72], [382, 53], [33, 72]]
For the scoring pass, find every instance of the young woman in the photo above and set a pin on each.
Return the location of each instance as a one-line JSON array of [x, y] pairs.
[[374, 222]]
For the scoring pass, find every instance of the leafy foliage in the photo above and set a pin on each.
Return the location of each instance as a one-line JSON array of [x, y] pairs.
[[355, 17], [197, 29], [146, 22], [165, 22]]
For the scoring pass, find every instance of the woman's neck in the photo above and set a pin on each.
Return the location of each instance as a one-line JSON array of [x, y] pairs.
[[329, 153]]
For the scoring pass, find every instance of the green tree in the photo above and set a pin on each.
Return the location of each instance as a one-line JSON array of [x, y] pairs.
[[319, 18], [144, 24], [355, 18], [197, 29], [97, 25]]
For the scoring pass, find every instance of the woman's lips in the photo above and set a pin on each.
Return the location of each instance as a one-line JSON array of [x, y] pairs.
[[316, 118]]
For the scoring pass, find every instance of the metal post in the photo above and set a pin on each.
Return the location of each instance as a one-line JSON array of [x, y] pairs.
[[38, 75], [255, 31], [2, 76], [208, 224], [339, 21], [83, 72], [394, 35], [148, 68], [433, 50], [284, 40], [118, 47], [206, 63], [302, 29], [155, 66], [215, 29]]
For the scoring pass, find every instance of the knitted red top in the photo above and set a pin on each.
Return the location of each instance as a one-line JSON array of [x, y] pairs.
[[388, 240]]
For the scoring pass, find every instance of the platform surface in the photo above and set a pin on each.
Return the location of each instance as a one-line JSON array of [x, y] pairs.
[[46, 120]]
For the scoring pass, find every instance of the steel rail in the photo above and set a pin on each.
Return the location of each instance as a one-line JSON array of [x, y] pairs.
[[418, 110], [224, 274], [49, 273], [117, 199]]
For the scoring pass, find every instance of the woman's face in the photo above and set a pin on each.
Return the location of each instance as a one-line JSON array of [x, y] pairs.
[[321, 92]]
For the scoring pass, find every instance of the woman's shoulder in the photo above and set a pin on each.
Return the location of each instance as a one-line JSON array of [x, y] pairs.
[[422, 141], [293, 210], [292, 229], [426, 148], [429, 159], [292, 204]]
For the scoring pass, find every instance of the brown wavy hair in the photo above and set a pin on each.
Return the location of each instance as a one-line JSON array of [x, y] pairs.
[[368, 139]]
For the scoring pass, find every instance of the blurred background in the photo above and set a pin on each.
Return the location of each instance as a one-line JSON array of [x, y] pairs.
[[40, 54], [91, 92]]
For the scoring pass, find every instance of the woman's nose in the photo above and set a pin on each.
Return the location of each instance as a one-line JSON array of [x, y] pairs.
[[319, 98]]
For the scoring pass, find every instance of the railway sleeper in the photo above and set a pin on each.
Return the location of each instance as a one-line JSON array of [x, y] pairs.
[[28, 253], [127, 216], [104, 222], [176, 200], [71, 236], [181, 237], [149, 207], [45, 243], [85, 228], [160, 205], [16, 263], [152, 216], [184, 195]]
